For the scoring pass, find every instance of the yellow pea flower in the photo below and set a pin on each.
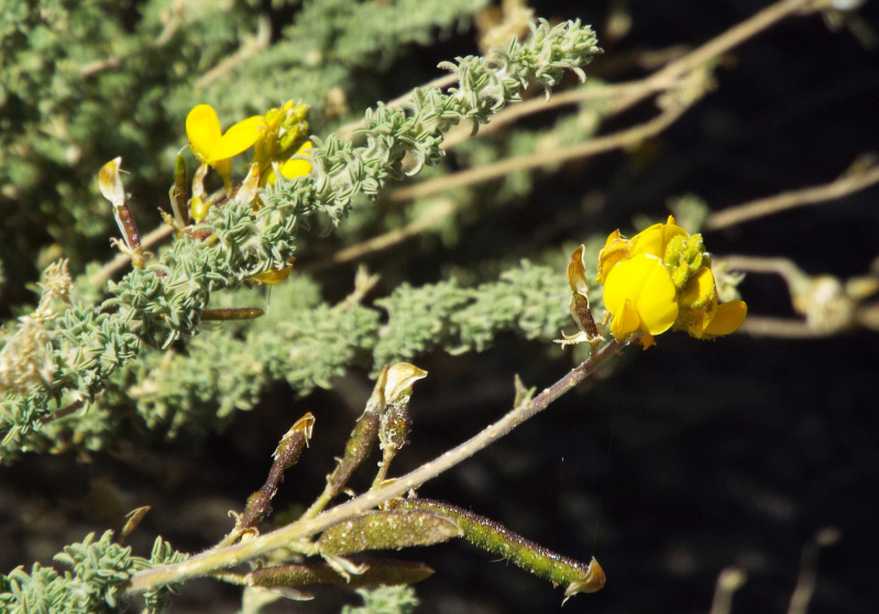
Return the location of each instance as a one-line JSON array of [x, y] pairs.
[[661, 279], [641, 296], [212, 145], [296, 166], [286, 129], [217, 148]]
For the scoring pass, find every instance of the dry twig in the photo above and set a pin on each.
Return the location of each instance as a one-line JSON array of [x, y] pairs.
[[855, 179]]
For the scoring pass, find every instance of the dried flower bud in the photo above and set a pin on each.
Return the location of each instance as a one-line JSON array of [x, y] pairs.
[[133, 520], [400, 378], [580, 310]]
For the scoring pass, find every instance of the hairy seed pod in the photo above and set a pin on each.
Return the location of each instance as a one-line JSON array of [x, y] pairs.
[[488, 535], [387, 531], [378, 572]]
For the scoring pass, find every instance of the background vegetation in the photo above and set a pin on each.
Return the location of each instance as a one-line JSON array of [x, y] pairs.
[[687, 460]]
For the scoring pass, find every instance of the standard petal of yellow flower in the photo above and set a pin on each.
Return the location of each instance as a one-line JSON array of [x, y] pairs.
[[238, 138], [641, 285], [615, 249], [727, 319], [654, 239], [203, 130]]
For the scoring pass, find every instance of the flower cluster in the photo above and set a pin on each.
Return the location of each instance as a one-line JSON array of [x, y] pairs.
[[661, 279], [280, 148], [278, 138]]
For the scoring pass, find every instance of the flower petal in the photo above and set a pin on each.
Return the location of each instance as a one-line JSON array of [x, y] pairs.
[[297, 167], [700, 290], [654, 239], [203, 130], [657, 304], [625, 321], [615, 249], [727, 319], [642, 283], [110, 182], [238, 138]]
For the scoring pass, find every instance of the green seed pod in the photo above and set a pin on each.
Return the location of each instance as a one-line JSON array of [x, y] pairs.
[[378, 571], [387, 531], [357, 450], [488, 535], [232, 313]]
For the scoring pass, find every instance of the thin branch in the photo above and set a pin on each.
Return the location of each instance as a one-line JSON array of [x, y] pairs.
[[729, 581], [848, 182], [807, 579], [430, 218], [627, 94], [539, 105], [121, 260], [661, 79], [64, 411], [783, 328], [220, 558], [172, 25], [480, 174], [249, 48], [787, 269]]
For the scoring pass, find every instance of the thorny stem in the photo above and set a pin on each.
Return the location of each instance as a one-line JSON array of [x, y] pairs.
[[221, 558]]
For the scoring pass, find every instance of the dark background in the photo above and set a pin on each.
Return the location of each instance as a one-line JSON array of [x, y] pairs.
[[691, 458]]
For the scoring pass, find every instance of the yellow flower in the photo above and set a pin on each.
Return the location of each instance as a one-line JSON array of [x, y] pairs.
[[641, 296], [296, 166], [217, 148], [661, 279], [286, 129], [212, 145]]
